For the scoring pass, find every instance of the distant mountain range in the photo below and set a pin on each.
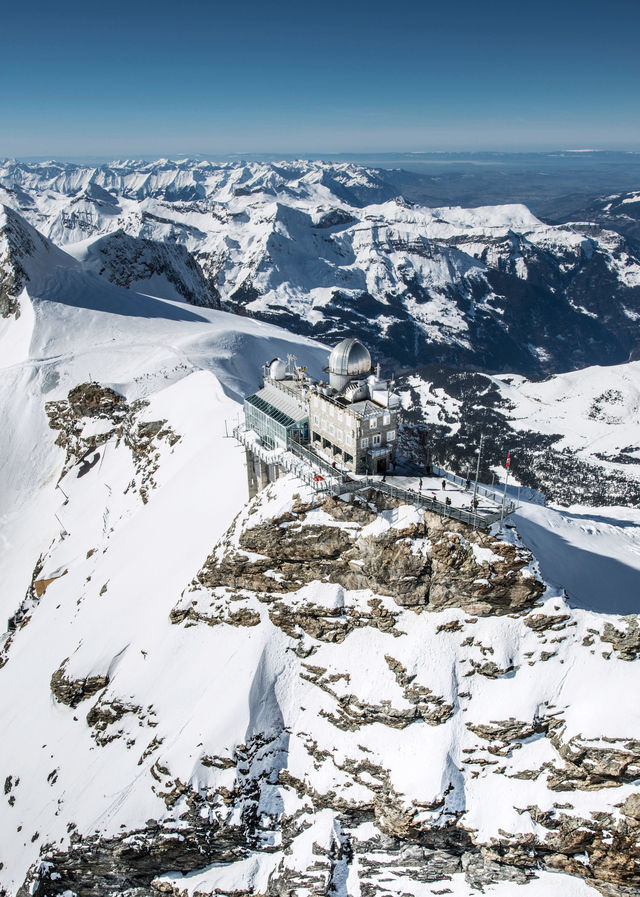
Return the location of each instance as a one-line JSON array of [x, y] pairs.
[[326, 249]]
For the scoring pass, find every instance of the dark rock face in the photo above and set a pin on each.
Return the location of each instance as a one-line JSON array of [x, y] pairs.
[[292, 552], [124, 260], [72, 691], [9, 289], [94, 867], [15, 243]]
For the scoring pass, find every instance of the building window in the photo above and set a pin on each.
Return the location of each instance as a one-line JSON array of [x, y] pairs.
[[331, 411], [373, 423], [332, 429], [386, 419], [316, 401], [377, 439], [324, 423], [364, 443], [340, 416], [391, 435], [315, 418], [348, 438]]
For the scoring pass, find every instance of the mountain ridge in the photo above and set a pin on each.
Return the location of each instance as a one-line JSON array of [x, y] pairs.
[[314, 246]]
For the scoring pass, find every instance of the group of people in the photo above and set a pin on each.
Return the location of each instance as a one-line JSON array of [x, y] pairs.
[[444, 485], [473, 505]]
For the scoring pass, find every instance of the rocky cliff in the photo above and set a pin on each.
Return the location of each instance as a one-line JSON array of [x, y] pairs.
[[423, 715]]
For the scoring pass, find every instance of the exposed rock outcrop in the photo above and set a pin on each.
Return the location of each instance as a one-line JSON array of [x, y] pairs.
[[395, 659], [72, 691], [625, 643], [89, 403], [432, 564]]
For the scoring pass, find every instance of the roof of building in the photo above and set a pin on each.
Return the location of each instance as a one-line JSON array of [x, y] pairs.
[[366, 407], [284, 408], [350, 358]]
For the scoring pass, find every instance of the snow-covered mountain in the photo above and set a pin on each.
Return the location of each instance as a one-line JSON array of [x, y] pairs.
[[574, 437], [205, 696], [619, 212], [316, 247]]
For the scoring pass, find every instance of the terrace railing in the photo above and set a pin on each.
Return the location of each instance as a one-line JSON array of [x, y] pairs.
[[492, 494], [293, 460], [290, 460]]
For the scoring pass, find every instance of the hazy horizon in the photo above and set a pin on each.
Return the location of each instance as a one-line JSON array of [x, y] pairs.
[[142, 80]]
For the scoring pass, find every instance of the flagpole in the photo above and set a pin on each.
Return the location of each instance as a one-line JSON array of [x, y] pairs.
[[475, 487], [504, 494]]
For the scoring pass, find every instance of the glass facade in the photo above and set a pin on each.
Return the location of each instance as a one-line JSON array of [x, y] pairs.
[[274, 427]]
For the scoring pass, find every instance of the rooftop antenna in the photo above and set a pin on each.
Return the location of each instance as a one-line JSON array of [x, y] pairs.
[[504, 494], [475, 485], [291, 363], [378, 371]]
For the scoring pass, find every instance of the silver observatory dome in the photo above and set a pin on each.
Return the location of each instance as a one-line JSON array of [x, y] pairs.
[[349, 360]]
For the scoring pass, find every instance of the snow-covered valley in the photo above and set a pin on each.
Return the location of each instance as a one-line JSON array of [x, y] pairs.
[[205, 696]]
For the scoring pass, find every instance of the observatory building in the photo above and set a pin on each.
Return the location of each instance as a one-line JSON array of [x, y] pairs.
[[352, 420], [320, 430]]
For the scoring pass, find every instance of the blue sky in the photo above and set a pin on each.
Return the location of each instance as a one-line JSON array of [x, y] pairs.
[[131, 79]]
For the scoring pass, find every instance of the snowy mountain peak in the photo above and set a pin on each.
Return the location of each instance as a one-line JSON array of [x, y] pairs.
[[26, 256], [298, 695], [315, 245]]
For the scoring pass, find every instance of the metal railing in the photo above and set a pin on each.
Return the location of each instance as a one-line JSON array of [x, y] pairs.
[[312, 457], [287, 459], [477, 521], [491, 494]]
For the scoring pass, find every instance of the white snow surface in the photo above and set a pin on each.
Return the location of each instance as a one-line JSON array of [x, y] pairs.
[[596, 409], [122, 565]]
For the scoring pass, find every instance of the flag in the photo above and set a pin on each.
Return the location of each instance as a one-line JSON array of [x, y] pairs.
[[508, 461]]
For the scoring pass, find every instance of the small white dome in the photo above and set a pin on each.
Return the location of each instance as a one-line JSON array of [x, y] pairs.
[[277, 369], [350, 359]]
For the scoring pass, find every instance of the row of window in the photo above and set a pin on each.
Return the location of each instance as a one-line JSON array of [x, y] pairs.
[[334, 431], [386, 420], [339, 435], [376, 439], [326, 444], [333, 411]]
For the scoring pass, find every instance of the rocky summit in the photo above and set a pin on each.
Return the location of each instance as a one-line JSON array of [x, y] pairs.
[[420, 713]]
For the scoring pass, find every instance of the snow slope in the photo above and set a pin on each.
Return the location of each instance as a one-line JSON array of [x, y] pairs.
[[593, 553], [75, 326]]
